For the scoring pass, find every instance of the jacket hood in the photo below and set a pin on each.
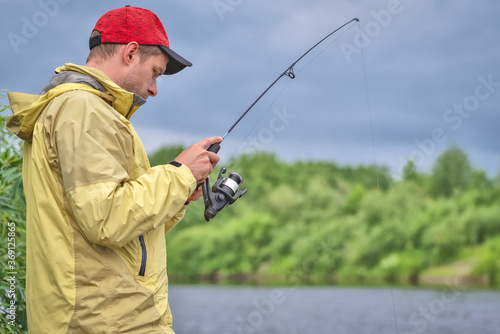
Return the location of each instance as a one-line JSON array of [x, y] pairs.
[[26, 108]]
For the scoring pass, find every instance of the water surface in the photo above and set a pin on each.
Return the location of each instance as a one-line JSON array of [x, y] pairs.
[[322, 310]]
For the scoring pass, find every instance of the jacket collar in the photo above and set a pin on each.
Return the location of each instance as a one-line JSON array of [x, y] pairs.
[[126, 103]]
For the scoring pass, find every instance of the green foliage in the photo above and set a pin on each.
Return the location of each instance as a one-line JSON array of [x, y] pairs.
[[452, 171], [489, 260], [13, 237], [319, 222]]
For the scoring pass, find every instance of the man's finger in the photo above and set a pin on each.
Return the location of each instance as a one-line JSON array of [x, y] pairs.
[[205, 143], [214, 159]]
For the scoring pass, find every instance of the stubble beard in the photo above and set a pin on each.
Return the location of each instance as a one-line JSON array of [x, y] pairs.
[[131, 84]]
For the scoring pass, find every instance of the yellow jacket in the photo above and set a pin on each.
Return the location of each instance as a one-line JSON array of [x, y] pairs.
[[97, 213]]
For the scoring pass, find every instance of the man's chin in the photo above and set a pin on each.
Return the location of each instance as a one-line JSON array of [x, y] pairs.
[[144, 96]]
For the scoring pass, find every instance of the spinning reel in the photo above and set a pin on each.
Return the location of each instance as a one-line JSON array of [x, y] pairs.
[[224, 192]]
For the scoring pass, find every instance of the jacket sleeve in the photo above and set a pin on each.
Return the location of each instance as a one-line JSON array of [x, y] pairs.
[[113, 196], [169, 225]]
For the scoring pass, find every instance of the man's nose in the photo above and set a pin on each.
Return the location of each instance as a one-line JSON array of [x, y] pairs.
[[153, 89]]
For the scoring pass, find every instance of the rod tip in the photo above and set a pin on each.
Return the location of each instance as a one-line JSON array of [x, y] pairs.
[[356, 19]]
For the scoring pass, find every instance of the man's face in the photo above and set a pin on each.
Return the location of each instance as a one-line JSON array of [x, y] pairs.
[[141, 79]]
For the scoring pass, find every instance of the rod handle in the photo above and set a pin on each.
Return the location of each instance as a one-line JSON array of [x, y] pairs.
[[214, 148]]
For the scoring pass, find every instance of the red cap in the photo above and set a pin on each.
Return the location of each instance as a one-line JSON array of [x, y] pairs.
[[133, 24]]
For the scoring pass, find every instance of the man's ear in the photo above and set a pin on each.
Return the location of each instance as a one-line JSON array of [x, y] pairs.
[[130, 53]]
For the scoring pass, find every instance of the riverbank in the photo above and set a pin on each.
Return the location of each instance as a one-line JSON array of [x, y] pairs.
[[423, 281], [460, 273]]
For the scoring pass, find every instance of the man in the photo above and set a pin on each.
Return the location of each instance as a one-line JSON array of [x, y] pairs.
[[97, 213]]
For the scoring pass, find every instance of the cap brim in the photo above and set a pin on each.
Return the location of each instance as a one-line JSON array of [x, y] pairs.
[[175, 63]]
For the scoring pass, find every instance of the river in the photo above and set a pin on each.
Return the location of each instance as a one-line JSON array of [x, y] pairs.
[[199, 309]]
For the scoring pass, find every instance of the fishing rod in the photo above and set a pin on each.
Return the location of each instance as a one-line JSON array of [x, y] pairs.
[[288, 72], [225, 190]]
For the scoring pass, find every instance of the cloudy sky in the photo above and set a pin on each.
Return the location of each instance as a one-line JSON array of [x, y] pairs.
[[406, 82]]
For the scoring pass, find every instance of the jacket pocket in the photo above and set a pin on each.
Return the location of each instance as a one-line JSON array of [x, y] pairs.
[[144, 258]]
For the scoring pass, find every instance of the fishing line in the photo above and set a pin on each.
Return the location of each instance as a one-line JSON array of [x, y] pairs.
[[376, 170], [375, 162], [370, 117]]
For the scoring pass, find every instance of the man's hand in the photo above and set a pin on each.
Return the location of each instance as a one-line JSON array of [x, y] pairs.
[[200, 161]]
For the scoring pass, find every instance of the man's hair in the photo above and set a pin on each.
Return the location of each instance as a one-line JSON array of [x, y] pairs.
[[107, 50]]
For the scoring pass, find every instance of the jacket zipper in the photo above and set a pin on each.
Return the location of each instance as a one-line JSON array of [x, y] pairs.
[[142, 270]]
